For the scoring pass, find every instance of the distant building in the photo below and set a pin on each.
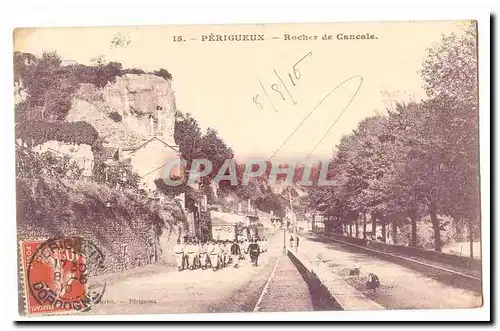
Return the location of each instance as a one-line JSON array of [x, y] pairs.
[[223, 221], [318, 223], [150, 158], [223, 229]]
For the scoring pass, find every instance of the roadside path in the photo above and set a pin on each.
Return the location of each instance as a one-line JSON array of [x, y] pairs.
[[401, 287]]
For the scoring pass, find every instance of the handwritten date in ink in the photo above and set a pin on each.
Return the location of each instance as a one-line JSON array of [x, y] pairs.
[[280, 90]]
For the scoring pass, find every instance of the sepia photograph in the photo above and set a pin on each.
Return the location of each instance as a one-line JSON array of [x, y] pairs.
[[180, 169]]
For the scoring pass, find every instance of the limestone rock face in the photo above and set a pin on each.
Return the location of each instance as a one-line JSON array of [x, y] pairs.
[[126, 112]]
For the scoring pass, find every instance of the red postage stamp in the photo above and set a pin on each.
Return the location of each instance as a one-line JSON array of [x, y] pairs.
[[56, 275]]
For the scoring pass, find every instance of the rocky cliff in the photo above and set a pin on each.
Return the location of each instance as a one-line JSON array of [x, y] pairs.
[[129, 111]]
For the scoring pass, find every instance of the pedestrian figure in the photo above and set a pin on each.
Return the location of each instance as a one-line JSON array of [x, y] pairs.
[[203, 255], [214, 255], [191, 250], [292, 242], [179, 255], [235, 252], [247, 244], [242, 250], [222, 254], [296, 243], [254, 251], [209, 251]]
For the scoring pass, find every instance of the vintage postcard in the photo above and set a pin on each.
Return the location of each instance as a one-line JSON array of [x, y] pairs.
[[247, 168]]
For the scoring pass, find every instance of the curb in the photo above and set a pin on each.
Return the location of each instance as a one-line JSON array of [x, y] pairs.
[[341, 295]]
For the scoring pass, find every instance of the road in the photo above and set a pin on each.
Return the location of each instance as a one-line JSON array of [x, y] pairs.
[[401, 287], [267, 287], [276, 285]]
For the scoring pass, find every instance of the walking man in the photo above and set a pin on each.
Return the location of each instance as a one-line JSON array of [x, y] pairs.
[[214, 255], [179, 255], [203, 255], [296, 243], [191, 253], [224, 253], [254, 251], [235, 252]]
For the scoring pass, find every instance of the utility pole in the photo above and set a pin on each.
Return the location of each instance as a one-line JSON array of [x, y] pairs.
[[284, 236], [286, 224], [291, 208]]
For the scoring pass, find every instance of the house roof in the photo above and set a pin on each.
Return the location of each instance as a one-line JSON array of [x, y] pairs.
[[133, 150], [264, 214], [219, 221], [109, 152]]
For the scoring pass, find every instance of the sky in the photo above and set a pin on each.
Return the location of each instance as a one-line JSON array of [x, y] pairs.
[[223, 84]]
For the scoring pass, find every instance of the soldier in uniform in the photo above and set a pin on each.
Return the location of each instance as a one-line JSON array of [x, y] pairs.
[[223, 253], [235, 253], [245, 247], [191, 253], [209, 246], [254, 251], [203, 255], [242, 250], [179, 255], [214, 255]]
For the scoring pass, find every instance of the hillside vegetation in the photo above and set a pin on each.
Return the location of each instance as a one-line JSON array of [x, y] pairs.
[[56, 202]]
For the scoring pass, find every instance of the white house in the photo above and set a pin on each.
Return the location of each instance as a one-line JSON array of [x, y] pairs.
[[150, 161]]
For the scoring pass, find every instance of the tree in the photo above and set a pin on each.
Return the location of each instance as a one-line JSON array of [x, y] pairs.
[[163, 73], [21, 62], [48, 87], [450, 78], [30, 164], [119, 175], [421, 158], [271, 202]]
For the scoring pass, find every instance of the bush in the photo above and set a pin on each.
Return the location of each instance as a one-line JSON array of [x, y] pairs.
[[48, 189], [117, 175], [134, 71], [115, 116], [163, 73], [37, 132], [30, 164]]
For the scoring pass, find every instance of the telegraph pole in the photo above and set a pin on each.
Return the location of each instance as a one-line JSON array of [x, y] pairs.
[[291, 208], [286, 223]]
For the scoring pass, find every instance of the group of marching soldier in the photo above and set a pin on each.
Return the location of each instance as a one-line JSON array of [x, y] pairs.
[[217, 254]]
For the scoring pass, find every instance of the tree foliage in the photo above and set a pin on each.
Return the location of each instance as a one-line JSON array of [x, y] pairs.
[[420, 158], [33, 133], [30, 165]]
